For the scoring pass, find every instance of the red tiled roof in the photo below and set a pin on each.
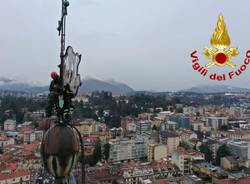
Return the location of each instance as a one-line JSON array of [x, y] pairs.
[[160, 182], [5, 158], [13, 175], [239, 181], [183, 151], [30, 146], [11, 167]]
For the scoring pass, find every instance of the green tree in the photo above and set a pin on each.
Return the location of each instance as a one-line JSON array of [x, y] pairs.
[[19, 117], [106, 151], [207, 152], [179, 110], [222, 151], [154, 128], [97, 154], [115, 182], [224, 127]]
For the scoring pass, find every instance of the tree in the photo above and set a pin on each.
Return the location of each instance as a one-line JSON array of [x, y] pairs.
[[19, 117], [106, 151], [185, 145], [115, 182], [154, 127], [224, 127], [200, 135], [207, 152], [222, 151], [97, 154], [179, 110]]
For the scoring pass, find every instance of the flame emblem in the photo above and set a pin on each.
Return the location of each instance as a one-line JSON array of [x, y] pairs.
[[220, 40]]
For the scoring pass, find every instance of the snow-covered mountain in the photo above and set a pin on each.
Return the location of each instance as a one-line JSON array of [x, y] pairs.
[[88, 85]]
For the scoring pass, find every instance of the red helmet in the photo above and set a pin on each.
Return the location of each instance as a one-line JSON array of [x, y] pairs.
[[54, 75]]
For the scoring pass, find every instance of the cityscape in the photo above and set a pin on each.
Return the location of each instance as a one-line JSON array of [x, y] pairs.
[[172, 120], [172, 137]]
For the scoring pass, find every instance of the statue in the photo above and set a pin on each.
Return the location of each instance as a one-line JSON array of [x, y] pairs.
[[62, 144]]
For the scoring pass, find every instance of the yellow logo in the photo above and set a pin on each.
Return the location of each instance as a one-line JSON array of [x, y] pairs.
[[220, 40]]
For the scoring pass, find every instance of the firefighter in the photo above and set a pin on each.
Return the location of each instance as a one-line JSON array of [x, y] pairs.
[[68, 107], [53, 97]]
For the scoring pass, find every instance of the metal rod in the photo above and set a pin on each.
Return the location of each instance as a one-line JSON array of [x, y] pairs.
[[63, 32], [63, 22]]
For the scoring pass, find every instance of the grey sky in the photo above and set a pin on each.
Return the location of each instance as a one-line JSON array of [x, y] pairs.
[[144, 43]]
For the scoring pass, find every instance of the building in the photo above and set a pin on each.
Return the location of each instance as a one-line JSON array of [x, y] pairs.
[[198, 126], [156, 152], [131, 172], [129, 124], [131, 127], [103, 173], [169, 125], [240, 148], [208, 170], [160, 152], [124, 149], [88, 126], [150, 151], [216, 122], [116, 132], [29, 136], [183, 158], [233, 163], [234, 181], [138, 173], [182, 120], [9, 125], [239, 134], [39, 135], [5, 141], [143, 126], [171, 139], [26, 126], [190, 110], [15, 178], [164, 114], [186, 135]]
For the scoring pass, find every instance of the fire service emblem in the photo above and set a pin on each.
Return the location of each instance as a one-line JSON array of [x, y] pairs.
[[220, 55]]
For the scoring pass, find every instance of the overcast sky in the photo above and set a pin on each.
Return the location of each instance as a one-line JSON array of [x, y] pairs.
[[143, 43]]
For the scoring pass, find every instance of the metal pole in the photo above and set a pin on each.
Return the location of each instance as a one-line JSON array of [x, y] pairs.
[[62, 32], [63, 28]]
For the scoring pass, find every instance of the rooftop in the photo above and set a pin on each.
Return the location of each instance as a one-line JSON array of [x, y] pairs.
[[14, 175], [233, 181]]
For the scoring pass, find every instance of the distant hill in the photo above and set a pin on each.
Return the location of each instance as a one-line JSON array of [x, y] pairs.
[[23, 87], [217, 89], [91, 85], [14, 86], [88, 85]]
